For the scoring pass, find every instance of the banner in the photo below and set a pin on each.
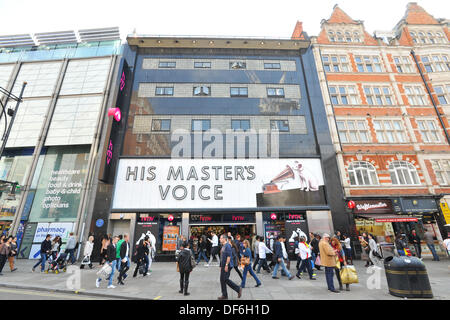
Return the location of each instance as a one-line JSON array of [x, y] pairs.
[[54, 229], [170, 236], [218, 183]]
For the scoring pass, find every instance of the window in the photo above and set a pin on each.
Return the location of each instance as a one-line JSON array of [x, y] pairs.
[[275, 92], [272, 66], [389, 131], [279, 125], [343, 95], [442, 171], [238, 65], [201, 125], [238, 92], [428, 130], [202, 64], [436, 63], [240, 125], [202, 91], [167, 64], [368, 64], [164, 91], [403, 64], [362, 173], [160, 125], [416, 96], [378, 95], [443, 93], [351, 131], [403, 173], [333, 63]]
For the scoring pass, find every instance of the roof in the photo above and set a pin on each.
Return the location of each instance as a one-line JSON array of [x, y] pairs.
[[415, 14]]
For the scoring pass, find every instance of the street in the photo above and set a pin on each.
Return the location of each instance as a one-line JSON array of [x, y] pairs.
[[163, 284]]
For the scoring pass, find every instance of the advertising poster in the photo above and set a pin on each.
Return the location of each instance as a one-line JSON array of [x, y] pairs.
[[274, 229], [146, 225], [296, 226], [35, 252], [170, 236], [61, 229], [27, 240]]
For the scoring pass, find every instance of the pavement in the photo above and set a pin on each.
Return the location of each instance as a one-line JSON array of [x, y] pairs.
[[163, 284]]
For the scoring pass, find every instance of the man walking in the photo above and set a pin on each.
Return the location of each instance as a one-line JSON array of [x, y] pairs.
[[256, 252], [226, 264], [214, 248], [125, 264], [46, 250], [415, 239], [328, 260], [279, 258], [202, 251], [111, 260], [429, 239], [70, 248]]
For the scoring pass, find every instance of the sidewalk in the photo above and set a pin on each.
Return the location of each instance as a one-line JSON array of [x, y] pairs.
[[204, 284]]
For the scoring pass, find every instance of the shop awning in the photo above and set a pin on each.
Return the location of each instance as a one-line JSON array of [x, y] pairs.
[[389, 217]]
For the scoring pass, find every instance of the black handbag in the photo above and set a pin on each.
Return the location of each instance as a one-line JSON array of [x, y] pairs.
[[142, 268]]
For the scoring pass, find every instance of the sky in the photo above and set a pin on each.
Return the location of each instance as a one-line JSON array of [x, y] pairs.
[[253, 18]]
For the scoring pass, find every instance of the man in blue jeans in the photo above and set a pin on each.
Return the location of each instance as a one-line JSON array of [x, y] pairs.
[[46, 249], [278, 253], [226, 264], [70, 247], [429, 239], [111, 259]]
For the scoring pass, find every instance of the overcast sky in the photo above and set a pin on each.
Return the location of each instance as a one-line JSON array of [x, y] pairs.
[[262, 18]]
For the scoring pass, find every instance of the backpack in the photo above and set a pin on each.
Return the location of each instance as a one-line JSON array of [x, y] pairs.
[[193, 263]]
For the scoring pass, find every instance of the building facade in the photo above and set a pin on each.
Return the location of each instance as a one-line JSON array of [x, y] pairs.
[[385, 98], [222, 134], [53, 145]]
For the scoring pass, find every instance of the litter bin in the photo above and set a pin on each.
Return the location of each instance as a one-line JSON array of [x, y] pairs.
[[407, 277]]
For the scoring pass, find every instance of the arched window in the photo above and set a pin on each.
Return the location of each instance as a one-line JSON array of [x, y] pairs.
[[403, 173], [362, 173]]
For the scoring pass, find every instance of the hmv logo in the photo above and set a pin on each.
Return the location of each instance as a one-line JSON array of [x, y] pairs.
[[295, 217], [147, 219], [237, 218], [205, 218]]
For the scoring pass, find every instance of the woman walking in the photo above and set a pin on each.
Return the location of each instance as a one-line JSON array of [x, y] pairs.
[[340, 261], [305, 255], [5, 248], [374, 254], [247, 259], [103, 250], [185, 267], [89, 246], [236, 259], [56, 246], [13, 254]]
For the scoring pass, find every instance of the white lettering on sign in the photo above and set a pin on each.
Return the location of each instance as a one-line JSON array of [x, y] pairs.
[[367, 206]]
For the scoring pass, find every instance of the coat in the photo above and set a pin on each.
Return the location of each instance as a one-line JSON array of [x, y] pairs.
[[327, 254], [88, 248], [184, 261]]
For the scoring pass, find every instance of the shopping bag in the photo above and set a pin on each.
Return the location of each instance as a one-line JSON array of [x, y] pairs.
[[338, 263], [86, 260], [407, 252], [349, 275], [317, 262], [105, 271]]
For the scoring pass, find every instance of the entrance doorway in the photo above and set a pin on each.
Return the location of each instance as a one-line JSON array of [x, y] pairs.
[[120, 227]]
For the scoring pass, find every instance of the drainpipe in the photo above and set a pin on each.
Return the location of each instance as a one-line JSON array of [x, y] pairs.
[[431, 97]]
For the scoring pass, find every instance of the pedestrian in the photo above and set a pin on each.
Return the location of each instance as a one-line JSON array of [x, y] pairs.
[[118, 246], [279, 259], [185, 267], [226, 263], [305, 254], [202, 251], [328, 260], [88, 247], [235, 256], [247, 263], [429, 240], [71, 247], [151, 254], [364, 241], [230, 237], [124, 259], [46, 250], [56, 246], [446, 244], [297, 252], [141, 251], [5, 249], [105, 242], [271, 247], [347, 248], [214, 248], [12, 254], [399, 244], [110, 258], [262, 251], [255, 246], [374, 253], [315, 239], [340, 261], [415, 239]]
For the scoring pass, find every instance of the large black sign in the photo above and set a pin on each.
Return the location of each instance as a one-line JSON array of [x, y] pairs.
[[146, 225], [295, 224]]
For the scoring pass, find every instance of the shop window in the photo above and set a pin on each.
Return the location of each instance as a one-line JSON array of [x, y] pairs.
[[362, 173], [403, 173], [169, 233]]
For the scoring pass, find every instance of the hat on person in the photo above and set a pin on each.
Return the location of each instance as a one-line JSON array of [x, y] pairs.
[[325, 235]]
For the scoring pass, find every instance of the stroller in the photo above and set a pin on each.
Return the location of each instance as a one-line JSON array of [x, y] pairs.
[[58, 264]]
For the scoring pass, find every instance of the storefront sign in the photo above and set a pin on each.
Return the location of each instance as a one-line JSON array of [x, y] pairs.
[[54, 229], [221, 218], [170, 236], [418, 205], [412, 219], [218, 183], [27, 241], [373, 206], [446, 211]]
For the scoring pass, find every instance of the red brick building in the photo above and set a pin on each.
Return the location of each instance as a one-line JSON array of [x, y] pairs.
[[389, 120]]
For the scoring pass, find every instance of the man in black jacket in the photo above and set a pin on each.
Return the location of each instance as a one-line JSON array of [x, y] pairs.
[[46, 250], [185, 267], [415, 239], [124, 253], [279, 259]]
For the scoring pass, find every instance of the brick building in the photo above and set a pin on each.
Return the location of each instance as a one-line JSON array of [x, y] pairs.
[[388, 119]]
